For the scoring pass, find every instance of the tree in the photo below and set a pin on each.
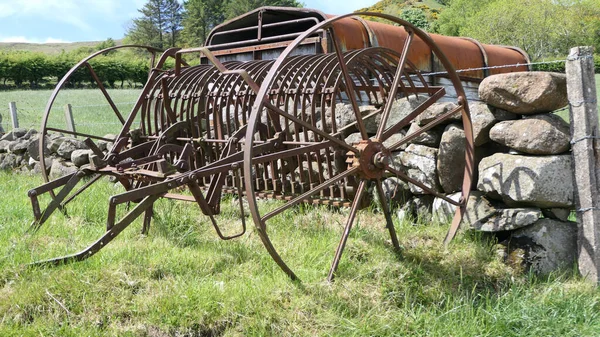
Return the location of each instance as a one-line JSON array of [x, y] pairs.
[[415, 16], [543, 28], [108, 43], [239, 7], [173, 20], [453, 18], [160, 21], [199, 18]]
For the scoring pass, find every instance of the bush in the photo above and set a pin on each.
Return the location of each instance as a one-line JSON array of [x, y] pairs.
[[559, 67], [27, 69]]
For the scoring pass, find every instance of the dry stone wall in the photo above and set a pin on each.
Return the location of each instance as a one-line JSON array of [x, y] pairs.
[[524, 188], [20, 151]]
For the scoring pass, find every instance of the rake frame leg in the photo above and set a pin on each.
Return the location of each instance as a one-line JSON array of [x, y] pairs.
[[108, 236]]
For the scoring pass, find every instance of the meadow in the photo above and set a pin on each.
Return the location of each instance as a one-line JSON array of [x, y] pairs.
[[181, 280]]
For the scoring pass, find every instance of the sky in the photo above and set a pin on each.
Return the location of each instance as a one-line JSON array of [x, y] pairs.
[[52, 21]]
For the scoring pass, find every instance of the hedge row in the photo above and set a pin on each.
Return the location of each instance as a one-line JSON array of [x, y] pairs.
[[559, 67], [30, 69]]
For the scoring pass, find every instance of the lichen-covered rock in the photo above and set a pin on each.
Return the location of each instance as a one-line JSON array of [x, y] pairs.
[[548, 245], [557, 213], [483, 119], [451, 158], [37, 168], [80, 157], [55, 143], [401, 108], [344, 114], [437, 109], [505, 219], [539, 134], [393, 139], [483, 215], [353, 138], [69, 145], [4, 145], [18, 146], [10, 161], [30, 133], [503, 115], [396, 191], [33, 148], [61, 168], [418, 207], [541, 181], [420, 162], [14, 134], [525, 92], [429, 138]]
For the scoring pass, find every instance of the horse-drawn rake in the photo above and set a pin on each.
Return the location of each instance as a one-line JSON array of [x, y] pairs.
[[265, 129]]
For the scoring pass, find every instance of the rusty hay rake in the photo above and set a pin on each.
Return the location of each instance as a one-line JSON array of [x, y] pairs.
[[263, 129]]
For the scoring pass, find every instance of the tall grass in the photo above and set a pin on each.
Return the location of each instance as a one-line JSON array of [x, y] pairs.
[[182, 280]]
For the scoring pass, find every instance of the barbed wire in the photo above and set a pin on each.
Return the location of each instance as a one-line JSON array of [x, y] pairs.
[[30, 109], [515, 65]]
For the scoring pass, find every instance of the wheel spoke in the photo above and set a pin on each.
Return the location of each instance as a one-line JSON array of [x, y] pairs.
[[349, 87], [397, 80], [388, 217], [438, 120], [347, 228], [79, 134], [302, 197], [310, 127], [418, 110], [105, 93], [427, 189]]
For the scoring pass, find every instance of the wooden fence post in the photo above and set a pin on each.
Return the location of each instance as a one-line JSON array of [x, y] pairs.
[[12, 106], [583, 113], [69, 118]]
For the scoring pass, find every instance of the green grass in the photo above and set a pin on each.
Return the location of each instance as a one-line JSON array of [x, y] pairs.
[[182, 280], [91, 111]]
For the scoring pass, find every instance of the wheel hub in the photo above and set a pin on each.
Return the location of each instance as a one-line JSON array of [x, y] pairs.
[[372, 159]]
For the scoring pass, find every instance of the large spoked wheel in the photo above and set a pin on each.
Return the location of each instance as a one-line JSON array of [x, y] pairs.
[[94, 122], [338, 127]]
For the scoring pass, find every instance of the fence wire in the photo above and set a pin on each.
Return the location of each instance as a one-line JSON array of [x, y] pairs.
[[33, 110]]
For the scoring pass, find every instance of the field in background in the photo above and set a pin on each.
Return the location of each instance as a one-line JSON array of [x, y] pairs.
[[48, 48], [91, 111], [181, 280]]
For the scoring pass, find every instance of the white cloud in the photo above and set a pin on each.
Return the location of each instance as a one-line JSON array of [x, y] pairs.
[[53, 40], [23, 39], [338, 6], [72, 12]]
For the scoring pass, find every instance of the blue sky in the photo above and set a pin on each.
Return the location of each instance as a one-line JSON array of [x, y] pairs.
[[41, 21]]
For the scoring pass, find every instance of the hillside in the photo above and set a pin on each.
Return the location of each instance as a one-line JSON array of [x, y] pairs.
[[48, 48], [430, 8]]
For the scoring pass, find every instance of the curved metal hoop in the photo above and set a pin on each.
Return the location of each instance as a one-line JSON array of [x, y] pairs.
[[266, 101]]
